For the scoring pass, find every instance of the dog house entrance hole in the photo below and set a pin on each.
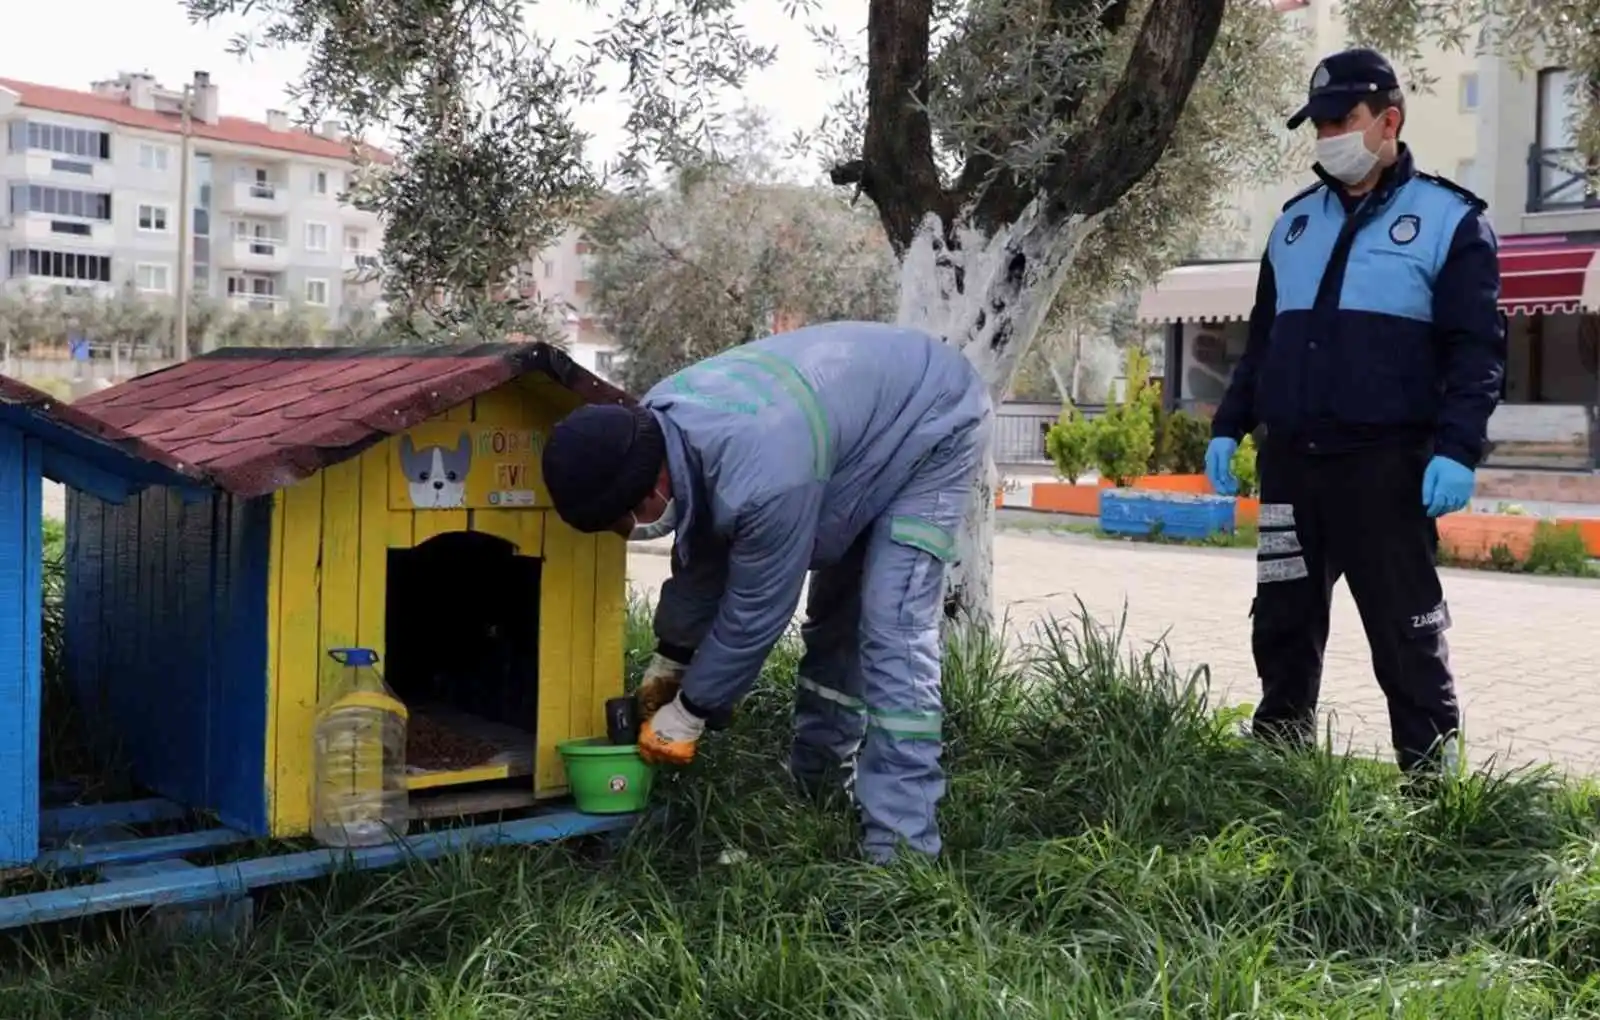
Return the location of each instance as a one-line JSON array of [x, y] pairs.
[[463, 655]]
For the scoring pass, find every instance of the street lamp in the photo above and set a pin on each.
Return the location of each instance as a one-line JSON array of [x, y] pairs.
[[180, 344]]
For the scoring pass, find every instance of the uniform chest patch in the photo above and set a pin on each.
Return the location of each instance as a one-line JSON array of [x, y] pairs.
[[1297, 226], [1405, 229]]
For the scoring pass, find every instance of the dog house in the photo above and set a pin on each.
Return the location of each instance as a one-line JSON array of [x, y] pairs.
[[42, 438], [379, 498]]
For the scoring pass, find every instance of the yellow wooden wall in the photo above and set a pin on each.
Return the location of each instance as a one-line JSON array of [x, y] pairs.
[[328, 574]]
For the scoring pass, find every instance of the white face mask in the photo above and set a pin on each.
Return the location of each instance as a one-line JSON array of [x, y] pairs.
[[657, 528], [1346, 157]]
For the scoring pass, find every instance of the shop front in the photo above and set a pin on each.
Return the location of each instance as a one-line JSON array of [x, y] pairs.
[[1550, 295]]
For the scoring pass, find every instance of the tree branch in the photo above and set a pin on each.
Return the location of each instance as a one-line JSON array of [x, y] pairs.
[[1101, 162], [996, 195], [897, 169]]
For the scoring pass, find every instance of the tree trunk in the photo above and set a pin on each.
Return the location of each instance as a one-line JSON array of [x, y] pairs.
[[988, 295]]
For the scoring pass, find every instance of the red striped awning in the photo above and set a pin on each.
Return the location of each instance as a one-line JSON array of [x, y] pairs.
[[1549, 279]]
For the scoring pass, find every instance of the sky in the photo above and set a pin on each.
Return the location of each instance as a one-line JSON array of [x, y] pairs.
[[155, 36]]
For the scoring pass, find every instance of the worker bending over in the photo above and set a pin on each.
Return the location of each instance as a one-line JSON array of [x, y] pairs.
[[848, 450]]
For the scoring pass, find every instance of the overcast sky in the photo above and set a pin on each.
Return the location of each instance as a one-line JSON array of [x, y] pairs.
[[70, 43]]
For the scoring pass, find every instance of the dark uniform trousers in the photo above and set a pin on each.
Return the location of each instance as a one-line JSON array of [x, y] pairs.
[[1358, 515]]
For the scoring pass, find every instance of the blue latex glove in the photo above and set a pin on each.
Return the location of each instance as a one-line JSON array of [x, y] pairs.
[[1219, 466], [1446, 486]]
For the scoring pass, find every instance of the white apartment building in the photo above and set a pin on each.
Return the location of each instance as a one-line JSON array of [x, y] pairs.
[[91, 186], [1502, 133], [560, 274]]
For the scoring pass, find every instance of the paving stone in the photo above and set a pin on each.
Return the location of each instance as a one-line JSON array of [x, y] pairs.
[[1523, 648]]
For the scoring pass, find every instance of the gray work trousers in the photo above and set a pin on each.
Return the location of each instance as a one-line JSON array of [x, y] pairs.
[[868, 709]]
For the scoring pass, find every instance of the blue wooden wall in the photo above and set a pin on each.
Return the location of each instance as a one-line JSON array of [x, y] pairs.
[[21, 599], [166, 642]]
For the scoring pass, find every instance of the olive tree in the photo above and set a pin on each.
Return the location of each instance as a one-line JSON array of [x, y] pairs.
[[730, 251], [1008, 147]]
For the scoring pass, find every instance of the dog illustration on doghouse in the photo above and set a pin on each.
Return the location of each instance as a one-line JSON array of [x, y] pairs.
[[437, 476]]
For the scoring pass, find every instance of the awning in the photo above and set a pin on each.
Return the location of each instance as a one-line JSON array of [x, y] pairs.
[[1549, 279], [1213, 292], [1542, 278]]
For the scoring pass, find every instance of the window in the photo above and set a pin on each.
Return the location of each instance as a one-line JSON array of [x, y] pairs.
[[69, 141], [1466, 170], [1468, 94], [153, 218], [604, 361], [153, 157], [549, 270], [152, 277], [316, 292], [1555, 108], [61, 265], [316, 237], [88, 205], [71, 227], [319, 182], [355, 240]]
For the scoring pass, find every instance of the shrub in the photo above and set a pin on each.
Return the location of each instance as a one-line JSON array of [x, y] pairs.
[[1186, 437], [1557, 549], [1069, 444], [1122, 442], [1244, 466]]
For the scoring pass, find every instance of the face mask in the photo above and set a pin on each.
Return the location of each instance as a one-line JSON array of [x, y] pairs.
[[657, 528], [1346, 157]]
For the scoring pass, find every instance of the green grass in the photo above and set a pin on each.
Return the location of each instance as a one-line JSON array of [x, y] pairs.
[[1114, 851]]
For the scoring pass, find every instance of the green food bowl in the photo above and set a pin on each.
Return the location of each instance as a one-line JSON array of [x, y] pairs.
[[606, 779]]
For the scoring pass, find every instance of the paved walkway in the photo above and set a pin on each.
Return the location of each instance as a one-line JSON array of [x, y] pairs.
[[1525, 649]]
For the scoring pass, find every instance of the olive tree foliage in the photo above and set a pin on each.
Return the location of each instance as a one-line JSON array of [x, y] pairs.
[[729, 251], [1530, 33], [130, 328], [489, 162]]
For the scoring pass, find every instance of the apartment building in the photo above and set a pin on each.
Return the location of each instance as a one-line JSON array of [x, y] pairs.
[[92, 183], [560, 274]]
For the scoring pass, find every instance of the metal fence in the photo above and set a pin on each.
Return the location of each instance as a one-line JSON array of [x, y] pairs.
[[1019, 430]]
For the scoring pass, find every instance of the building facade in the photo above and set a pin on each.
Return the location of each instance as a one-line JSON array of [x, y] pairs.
[[560, 274], [92, 199]]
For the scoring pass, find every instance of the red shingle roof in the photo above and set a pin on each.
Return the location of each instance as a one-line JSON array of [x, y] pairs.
[[255, 420], [41, 406], [236, 130]]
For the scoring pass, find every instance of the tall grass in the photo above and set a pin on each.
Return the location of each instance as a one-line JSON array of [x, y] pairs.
[[1114, 850]]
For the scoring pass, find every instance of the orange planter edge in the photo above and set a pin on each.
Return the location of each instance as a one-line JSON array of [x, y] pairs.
[[1067, 498], [1473, 536]]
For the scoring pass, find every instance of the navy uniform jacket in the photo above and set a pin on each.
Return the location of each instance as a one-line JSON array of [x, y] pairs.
[[1376, 321]]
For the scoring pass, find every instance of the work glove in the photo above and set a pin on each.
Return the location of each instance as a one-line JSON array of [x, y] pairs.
[[1219, 465], [670, 735], [659, 685], [1446, 486]]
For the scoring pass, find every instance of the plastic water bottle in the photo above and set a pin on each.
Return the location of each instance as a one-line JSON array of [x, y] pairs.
[[360, 796]]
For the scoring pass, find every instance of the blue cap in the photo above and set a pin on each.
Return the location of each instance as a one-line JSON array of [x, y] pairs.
[[1343, 80]]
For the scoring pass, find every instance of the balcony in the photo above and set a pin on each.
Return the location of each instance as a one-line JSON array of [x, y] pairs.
[[46, 231], [255, 198], [363, 264], [1556, 185], [258, 304], [261, 254], [65, 170]]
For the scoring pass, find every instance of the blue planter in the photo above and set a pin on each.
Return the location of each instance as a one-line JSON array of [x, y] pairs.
[[1178, 514]]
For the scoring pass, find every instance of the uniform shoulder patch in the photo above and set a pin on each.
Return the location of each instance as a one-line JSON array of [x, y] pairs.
[[1446, 183], [1312, 190]]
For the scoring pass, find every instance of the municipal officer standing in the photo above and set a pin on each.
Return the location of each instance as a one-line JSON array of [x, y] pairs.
[[1375, 357]]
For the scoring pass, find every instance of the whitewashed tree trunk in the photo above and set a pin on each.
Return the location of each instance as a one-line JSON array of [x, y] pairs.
[[988, 296]]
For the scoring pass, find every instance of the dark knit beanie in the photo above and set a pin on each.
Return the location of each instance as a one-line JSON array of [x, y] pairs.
[[600, 462]]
